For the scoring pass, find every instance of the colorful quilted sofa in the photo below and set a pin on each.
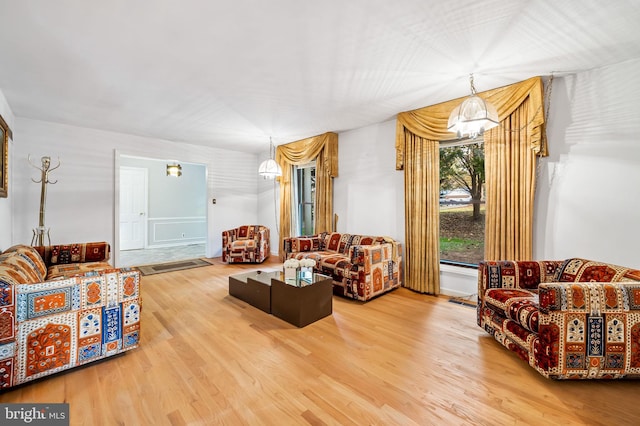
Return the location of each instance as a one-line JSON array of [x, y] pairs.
[[61, 307], [361, 266], [571, 319], [246, 244]]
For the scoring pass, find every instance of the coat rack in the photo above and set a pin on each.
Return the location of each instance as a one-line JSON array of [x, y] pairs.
[[40, 232]]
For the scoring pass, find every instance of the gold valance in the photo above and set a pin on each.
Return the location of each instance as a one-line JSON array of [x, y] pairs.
[[431, 122], [306, 150]]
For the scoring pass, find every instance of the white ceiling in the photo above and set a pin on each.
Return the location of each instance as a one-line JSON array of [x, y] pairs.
[[233, 73]]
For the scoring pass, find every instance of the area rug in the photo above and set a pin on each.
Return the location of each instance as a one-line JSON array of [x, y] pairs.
[[160, 268]]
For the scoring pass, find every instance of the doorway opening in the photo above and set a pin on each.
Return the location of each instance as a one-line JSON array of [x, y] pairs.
[[160, 217]]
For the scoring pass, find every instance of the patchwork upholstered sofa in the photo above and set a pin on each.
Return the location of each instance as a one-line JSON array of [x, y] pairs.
[[361, 266], [246, 244], [61, 307], [571, 319]]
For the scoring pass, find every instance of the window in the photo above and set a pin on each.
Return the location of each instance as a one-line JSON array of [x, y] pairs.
[[462, 210], [304, 199]]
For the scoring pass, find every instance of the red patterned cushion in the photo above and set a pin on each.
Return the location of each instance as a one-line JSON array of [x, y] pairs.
[[12, 274], [332, 262], [30, 255], [23, 266], [305, 244], [329, 263], [518, 274], [315, 255], [582, 270], [243, 244], [519, 305], [75, 269], [243, 232], [333, 242], [74, 253]]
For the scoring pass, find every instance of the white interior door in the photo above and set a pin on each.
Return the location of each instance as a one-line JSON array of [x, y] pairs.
[[133, 207]]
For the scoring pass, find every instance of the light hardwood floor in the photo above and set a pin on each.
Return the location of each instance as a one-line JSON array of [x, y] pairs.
[[401, 359]]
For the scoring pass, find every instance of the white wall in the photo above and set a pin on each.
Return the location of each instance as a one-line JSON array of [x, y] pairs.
[[6, 203], [80, 207], [369, 191], [588, 199]]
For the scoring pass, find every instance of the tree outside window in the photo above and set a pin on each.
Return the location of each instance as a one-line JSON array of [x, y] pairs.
[[462, 211]]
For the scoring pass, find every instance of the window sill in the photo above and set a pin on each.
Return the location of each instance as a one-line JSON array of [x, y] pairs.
[[459, 268]]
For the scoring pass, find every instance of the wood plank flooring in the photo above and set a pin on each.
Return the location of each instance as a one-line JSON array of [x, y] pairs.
[[207, 358]]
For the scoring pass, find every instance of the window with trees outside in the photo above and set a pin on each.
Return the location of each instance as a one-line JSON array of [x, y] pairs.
[[304, 199], [462, 209]]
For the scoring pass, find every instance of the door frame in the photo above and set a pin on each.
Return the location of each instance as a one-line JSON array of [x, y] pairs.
[[116, 201]]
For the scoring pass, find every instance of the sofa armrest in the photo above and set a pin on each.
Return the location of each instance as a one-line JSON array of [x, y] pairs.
[[301, 244], [586, 329], [62, 254], [262, 235], [374, 270], [366, 255], [99, 312]]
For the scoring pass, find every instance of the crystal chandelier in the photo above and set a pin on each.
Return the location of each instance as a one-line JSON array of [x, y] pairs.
[[473, 116]]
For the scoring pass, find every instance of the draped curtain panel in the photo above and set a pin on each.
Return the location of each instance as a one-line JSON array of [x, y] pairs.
[[510, 169], [324, 149], [422, 214], [521, 114]]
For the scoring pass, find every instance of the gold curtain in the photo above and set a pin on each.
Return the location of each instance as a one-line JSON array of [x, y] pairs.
[[510, 169], [324, 149], [422, 214], [520, 109]]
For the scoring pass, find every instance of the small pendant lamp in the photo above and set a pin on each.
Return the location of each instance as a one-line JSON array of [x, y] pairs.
[[269, 169]]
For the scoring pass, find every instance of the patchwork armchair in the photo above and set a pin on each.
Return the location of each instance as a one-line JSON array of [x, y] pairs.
[[571, 319], [246, 244]]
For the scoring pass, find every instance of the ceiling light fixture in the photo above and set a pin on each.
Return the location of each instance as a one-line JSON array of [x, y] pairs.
[[473, 116], [174, 170], [269, 169]]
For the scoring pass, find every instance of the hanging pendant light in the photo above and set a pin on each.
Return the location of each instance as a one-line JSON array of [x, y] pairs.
[[473, 116], [269, 169]]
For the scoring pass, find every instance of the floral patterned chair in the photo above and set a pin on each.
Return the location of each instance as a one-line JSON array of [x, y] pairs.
[[246, 244], [571, 319]]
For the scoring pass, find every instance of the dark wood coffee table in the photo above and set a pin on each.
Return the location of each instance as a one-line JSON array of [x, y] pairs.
[[302, 301], [299, 302], [254, 288]]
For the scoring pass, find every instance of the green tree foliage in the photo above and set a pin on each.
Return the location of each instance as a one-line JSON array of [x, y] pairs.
[[463, 167]]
